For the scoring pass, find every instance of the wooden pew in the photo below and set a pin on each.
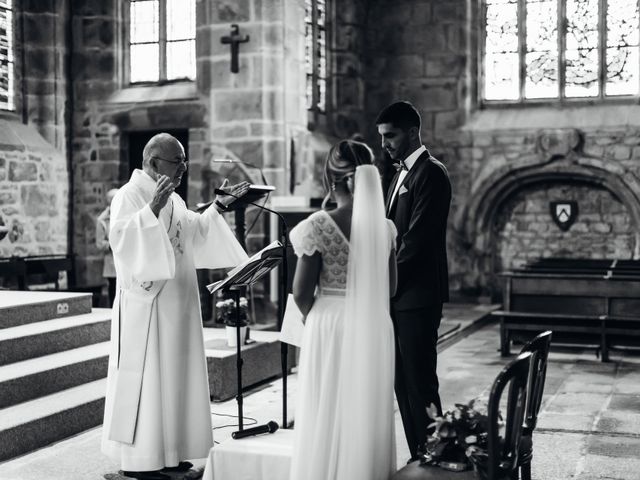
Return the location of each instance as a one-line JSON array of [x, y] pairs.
[[12, 272], [38, 270], [600, 309]]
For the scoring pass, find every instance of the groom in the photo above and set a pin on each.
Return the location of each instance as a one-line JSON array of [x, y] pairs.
[[418, 202]]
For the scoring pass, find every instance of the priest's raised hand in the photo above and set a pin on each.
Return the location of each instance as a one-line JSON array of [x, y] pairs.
[[164, 189], [235, 191]]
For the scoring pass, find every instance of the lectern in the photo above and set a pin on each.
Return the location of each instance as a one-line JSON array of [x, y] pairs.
[[244, 275]]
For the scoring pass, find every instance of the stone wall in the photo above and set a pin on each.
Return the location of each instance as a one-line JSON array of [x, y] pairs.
[[33, 193], [41, 67], [34, 179], [95, 143], [525, 230], [509, 176]]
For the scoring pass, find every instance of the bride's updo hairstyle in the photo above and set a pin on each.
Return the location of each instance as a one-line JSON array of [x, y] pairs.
[[342, 160]]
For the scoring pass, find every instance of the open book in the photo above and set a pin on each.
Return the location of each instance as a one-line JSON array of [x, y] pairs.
[[251, 269]]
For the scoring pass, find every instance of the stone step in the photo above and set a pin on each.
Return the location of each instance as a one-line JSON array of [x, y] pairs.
[[37, 377], [261, 361], [20, 308], [43, 421], [52, 336]]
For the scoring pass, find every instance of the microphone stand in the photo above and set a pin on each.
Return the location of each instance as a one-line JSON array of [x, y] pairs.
[[284, 348]]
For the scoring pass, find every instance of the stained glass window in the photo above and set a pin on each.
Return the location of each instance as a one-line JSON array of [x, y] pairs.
[[6, 55], [162, 40], [560, 49], [315, 54]]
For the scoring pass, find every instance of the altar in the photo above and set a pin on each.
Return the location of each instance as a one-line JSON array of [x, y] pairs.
[[264, 457]]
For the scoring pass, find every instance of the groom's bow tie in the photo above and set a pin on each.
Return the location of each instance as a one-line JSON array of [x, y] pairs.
[[400, 165]]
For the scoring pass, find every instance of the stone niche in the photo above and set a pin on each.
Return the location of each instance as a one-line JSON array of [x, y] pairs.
[[33, 193], [506, 219], [525, 231]]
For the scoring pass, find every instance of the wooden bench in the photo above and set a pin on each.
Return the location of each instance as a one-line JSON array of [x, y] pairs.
[[12, 272], [601, 310], [43, 272]]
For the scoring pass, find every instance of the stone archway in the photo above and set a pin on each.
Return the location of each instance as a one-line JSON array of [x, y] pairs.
[[474, 223]]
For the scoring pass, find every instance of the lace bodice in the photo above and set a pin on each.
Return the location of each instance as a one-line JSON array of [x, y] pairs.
[[319, 233]]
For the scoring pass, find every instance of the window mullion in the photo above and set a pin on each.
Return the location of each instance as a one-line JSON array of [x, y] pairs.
[[562, 43], [162, 44], [522, 46], [316, 55], [602, 47], [481, 62]]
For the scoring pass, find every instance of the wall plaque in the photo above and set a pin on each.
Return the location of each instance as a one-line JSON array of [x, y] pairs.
[[564, 213]]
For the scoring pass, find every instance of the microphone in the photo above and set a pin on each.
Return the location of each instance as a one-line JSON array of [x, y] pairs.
[[268, 428], [242, 162], [284, 350]]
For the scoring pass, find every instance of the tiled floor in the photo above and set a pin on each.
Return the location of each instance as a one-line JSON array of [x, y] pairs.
[[589, 427]]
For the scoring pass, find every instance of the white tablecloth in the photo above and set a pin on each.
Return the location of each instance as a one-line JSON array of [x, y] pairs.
[[264, 457]]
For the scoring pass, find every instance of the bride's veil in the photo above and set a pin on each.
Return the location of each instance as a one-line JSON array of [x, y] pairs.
[[365, 405]]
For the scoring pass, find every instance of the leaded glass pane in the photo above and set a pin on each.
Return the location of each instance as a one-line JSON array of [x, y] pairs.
[[322, 94], [322, 12], [501, 58], [145, 62], [541, 79], [6, 56], [315, 56], [181, 59], [308, 50], [181, 19], [501, 76], [581, 73], [144, 21], [320, 54], [622, 71], [622, 54], [582, 48], [309, 92]]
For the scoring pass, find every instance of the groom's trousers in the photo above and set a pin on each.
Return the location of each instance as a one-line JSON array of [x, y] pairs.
[[416, 380]]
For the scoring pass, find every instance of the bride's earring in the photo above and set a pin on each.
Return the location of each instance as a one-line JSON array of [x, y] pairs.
[[333, 186], [350, 185]]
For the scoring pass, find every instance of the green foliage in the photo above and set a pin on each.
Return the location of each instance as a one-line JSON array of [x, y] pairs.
[[227, 311], [460, 438]]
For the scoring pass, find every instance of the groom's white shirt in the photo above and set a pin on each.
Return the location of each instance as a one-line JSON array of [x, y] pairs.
[[409, 162]]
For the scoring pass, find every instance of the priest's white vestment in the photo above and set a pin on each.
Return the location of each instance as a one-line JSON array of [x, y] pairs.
[[157, 404]]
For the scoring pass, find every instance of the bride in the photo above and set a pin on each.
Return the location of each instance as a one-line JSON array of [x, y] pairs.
[[344, 428]]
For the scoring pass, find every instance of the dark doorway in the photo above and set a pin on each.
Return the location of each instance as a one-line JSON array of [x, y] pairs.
[[137, 141]]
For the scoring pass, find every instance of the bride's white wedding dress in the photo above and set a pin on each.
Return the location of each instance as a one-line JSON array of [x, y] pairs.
[[344, 423]]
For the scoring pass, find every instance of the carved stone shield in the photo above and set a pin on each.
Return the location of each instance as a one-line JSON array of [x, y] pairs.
[[564, 213]]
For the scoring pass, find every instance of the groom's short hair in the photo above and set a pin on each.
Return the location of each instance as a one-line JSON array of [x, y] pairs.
[[401, 115]]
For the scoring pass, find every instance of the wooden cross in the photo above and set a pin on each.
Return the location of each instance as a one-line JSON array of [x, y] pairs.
[[235, 39]]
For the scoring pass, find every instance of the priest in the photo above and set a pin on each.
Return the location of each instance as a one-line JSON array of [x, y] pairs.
[[157, 411]]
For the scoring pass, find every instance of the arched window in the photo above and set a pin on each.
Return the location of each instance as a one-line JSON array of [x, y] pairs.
[[557, 50], [315, 54], [6, 56], [162, 44]]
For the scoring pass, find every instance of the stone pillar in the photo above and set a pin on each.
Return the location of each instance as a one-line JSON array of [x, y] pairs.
[[41, 53], [96, 145], [252, 113]]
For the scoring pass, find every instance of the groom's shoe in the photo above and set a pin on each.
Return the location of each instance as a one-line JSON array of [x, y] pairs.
[[181, 467], [155, 475]]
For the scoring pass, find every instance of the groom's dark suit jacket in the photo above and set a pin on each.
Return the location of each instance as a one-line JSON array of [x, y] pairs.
[[420, 212]]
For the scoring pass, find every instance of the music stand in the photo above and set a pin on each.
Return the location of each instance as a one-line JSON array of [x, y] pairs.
[[243, 276]]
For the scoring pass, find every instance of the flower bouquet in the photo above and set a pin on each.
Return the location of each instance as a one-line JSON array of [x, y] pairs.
[[459, 441], [227, 315]]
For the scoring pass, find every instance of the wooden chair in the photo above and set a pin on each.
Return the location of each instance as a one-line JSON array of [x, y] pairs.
[[502, 453], [12, 271], [539, 349]]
